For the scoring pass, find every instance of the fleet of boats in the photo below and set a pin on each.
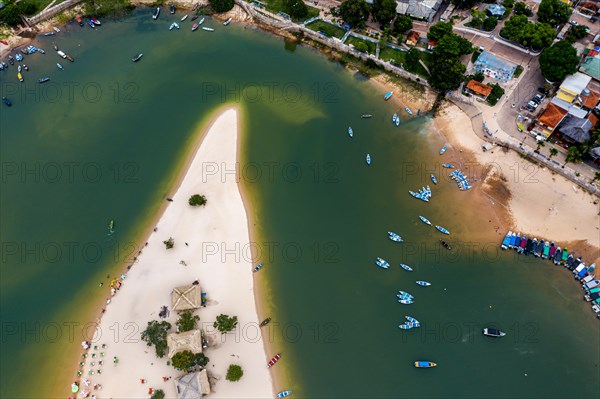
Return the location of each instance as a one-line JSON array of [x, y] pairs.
[[424, 193], [545, 249], [174, 25]]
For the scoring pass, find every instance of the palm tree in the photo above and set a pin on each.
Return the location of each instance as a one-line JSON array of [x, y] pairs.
[[574, 155], [553, 152], [540, 143]]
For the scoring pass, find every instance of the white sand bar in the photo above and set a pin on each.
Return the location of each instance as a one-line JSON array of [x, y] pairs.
[[226, 277]]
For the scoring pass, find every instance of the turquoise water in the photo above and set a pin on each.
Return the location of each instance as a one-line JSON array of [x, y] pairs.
[[104, 139]]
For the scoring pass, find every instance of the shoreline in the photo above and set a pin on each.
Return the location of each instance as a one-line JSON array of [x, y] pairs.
[[190, 168]]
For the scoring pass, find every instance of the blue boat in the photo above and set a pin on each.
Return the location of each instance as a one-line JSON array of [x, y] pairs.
[[406, 326], [507, 240], [174, 25], [388, 95], [6, 101], [516, 240], [350, 132], [433, 179], [172, 8], [442, 230], [405, 301], [91, 24], [405, 295], [395, 119], [394, 237], [406, 267], [443, 150], [408, 111], [258, 267], [424, 364], [448, 165], [382, 263], [368, 159], [413, 321], [283, 394], [18, 57], [424, 220], [423, 283]]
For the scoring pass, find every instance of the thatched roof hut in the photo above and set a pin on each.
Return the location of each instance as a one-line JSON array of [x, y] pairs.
[[186, 298], [193, 385], [185, 341]]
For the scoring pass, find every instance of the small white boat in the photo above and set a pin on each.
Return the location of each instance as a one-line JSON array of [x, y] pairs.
[[493, 332], [63, 55], [201, 21], [208, 29], [174, 25], [405, 301], [227, 21], [156, 13], [59, 66], [424, 220], [406, 267], [423, 283], [408, 110], [394, 237], [184, 17], [350, 132], [56, 29], [368, 159]]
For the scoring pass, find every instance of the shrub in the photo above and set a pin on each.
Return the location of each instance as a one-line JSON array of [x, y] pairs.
[[225, 323], [197, 200], [234, 373], [169, 243], [187, 321], [156, 334]]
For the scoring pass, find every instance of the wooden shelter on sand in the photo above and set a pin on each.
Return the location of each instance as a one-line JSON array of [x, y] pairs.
[[188, 297], [193, 385], [185, 341]]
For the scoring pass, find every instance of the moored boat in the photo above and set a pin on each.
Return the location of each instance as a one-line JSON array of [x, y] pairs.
[[265, 322], [172, 8], [184, 17], [20, 77], [382, 263], [424, 283], [424, 364], [434, 179], [442, 230], [208, 29], [406, 326], [413, 321], [366, 116], [257, 268], [6, 101], [70, 58], [174, 25], [59, 66], [408, 110], [283, 394], [368, 159], [43, 80], [54, 46], [56, 29], [404, 295], [350, 132], [95, 21], [388, 95], [445, 244], [194, 17], [227, 21], [443, 150], [195, 26], [546, 251], [406, 267], [156, 13], [406, 301], [557, 256], [18, 57], [201, 21], [493, 332], [91, 24], [136, 58], [79, 21], [394, 237], [49, 34], [111, 225], [447, 166], [424, 220], [274, 360]]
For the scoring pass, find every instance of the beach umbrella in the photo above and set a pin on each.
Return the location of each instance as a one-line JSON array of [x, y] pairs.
[[74, 388]]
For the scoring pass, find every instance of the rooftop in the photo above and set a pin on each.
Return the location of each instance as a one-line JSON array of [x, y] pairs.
[[423, 9], [568, 107], [577, 129], [552, 116], [590, 100], [496, 10], [591, 66], [479, 88], [186, 297], [185, 341], [575, 83], [193, 385]]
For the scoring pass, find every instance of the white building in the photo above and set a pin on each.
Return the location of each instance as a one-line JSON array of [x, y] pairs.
[[419, 9]]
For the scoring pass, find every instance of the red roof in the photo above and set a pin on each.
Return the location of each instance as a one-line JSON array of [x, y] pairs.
[[413, 36], [552, 116], [479, 88], [590, 100]]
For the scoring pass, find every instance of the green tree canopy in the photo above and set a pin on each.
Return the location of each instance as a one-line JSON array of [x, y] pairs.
[[553, 12], [490, 23], [439, 30], [197, 200], [296, 9], [158, 394], [527, 33], [187, 321], [402, 24], [354, 12], [413, 56], [234, 373], [576, 32], [225, 323], [156, 334], [186, 360], [384, 11], [522, 9], [11, 14], [453, 46], [446, 73], [558, 61], [221, 6]]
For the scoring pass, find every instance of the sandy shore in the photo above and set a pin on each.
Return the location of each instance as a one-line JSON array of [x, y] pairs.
[[535, 200], [216, 235]]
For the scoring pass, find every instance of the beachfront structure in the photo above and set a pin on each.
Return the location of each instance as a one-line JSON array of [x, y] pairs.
[[548, 121], [574, 129], [418, 9], [192, 385], [573, 86], [495, 67], [185, 341], [496, 10], [478, 89], [186, 298]]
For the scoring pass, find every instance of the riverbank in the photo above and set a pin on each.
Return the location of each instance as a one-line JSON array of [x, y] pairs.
[[535, 201], [201, 237]]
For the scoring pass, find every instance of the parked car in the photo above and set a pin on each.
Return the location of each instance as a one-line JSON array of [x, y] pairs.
[[574, 23]]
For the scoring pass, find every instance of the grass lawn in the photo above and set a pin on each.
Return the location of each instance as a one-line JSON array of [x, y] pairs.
[[354, 41], [275, 6], [329, 29], [518, 71], [388, 53]]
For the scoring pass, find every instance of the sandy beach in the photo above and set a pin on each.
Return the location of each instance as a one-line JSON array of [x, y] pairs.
[[537, 202], [208, 239]]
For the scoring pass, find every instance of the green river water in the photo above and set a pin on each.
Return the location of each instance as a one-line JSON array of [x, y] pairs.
[[105, 139]]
